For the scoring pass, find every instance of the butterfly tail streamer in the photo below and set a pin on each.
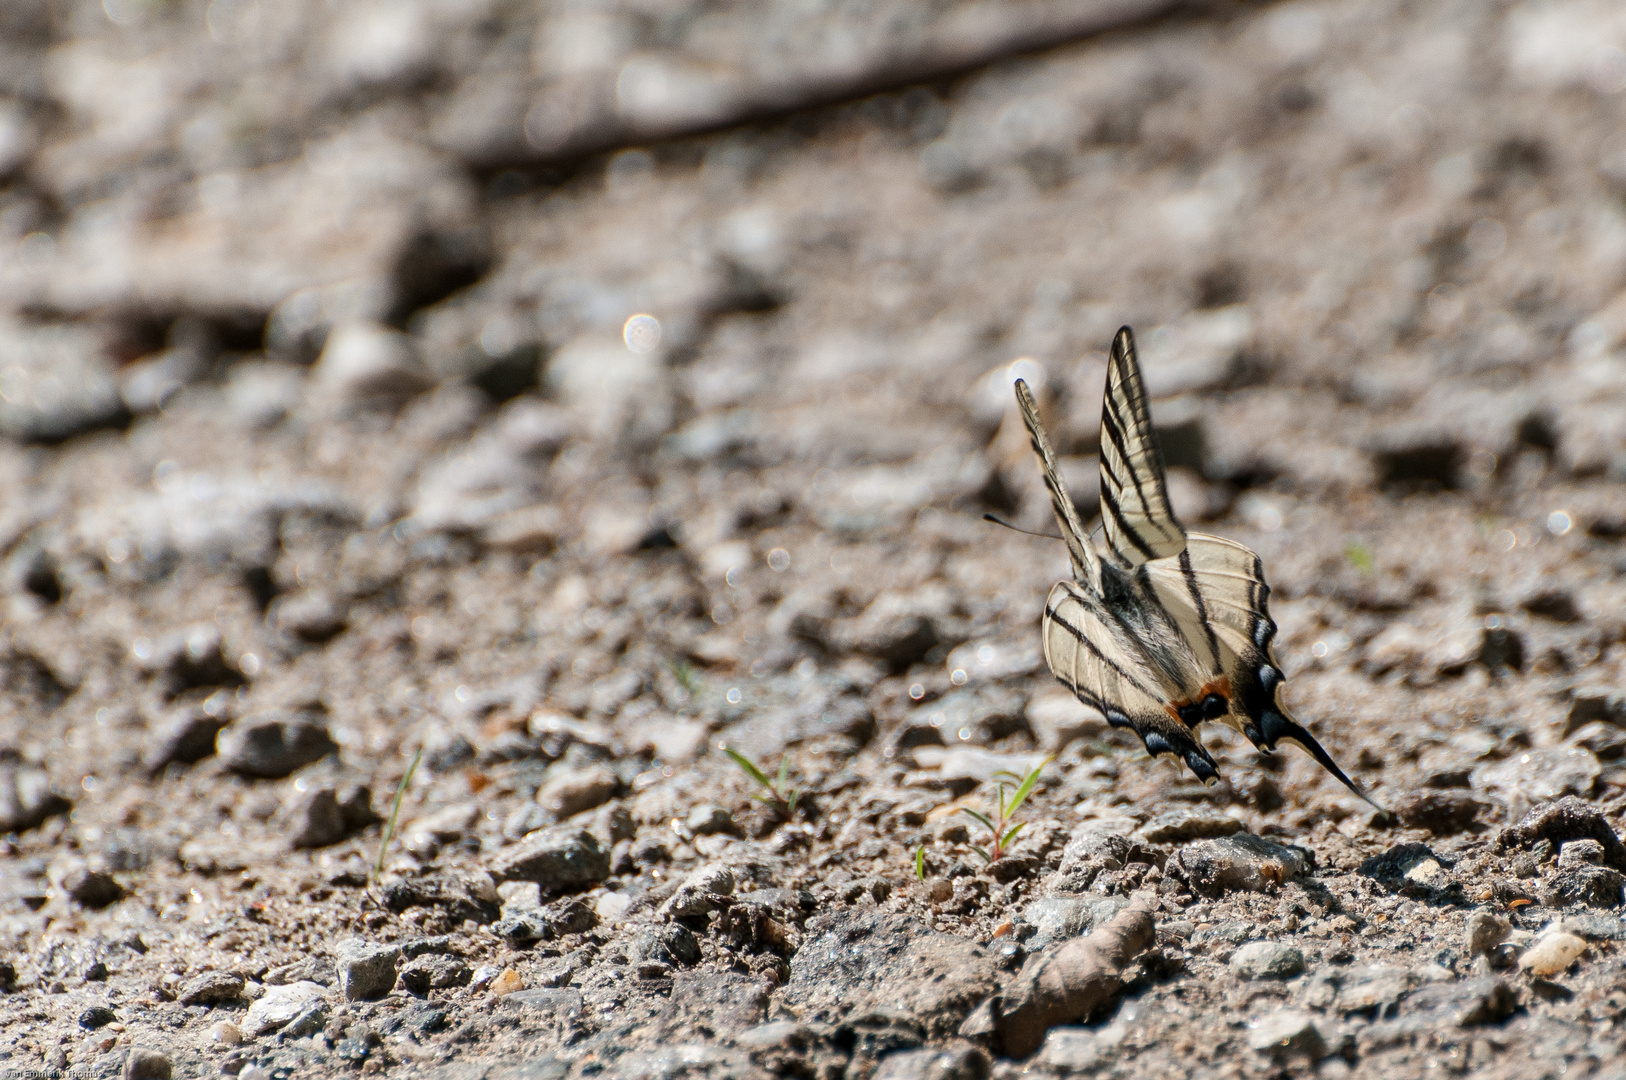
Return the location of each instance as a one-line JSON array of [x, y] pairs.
[[1085, 561], [1276, 727]]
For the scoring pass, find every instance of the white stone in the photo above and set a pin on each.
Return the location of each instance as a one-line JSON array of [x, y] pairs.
[[280, 1005], [1551, 954], [367, 365]]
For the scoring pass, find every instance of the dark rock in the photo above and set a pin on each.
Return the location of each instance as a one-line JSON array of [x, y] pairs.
[[212, 988], [426, 973], [187, 736], [1407, 457], [566, 857], [315, 820], [92, 888], [1595, 703], [143, 1064], [97, 1016], [1466, 1004], [709, 818], [8, 975], [1374, 990], [672, 943], [1590, 886], [1242, 862], [858, 961], [448, 894], [1565, 819], [310, 969], [270, 745], [1443, 812], [949, 1063], [187, 659], [1399, 866], [1501, 647], [1555, 604], [1286, 1034], [1606, 741], [26, 795], [356, 807], [568, 792]]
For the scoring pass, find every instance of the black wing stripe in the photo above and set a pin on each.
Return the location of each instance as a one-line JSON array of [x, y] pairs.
[[1190, 575], [1126, 530], [1083, 639]]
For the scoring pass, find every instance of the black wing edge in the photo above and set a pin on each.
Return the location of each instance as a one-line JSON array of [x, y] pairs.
[[1275, 727]]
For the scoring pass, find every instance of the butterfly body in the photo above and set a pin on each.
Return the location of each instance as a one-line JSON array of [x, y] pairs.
[[1167, 629]]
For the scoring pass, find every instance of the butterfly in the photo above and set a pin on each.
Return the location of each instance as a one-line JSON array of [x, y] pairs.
[[1167, 629]]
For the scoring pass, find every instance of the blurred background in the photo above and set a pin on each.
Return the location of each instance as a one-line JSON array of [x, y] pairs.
[[376, 355]]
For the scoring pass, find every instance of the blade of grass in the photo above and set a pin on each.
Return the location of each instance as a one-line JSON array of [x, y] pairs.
[[920, 862], [779, 785], [1027, 787], [749, 767], [395, 812], [1006, 839], [982, 818]]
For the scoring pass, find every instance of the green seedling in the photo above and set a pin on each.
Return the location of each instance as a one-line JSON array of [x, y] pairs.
[[395, 813], [778, 790], [1360, 557], [1003, 826], [920, 863], [684, 673]]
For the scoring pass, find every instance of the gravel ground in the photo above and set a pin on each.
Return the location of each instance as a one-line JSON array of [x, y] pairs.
[[348, 414]]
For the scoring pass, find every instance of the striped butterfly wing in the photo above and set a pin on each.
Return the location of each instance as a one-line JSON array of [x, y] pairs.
[[1107, 663], [1079, 550], [1135, 513], [1215, 592]]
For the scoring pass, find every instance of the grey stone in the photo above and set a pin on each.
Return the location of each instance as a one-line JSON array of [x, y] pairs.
[[312, 616], [271, 745], [425, 973], [1592, 704], [703, 891], [1267, 960], [97, 1017], [187, 659], [1596, 927], [309, 1022], [278, 1007], [1072, 1050], [709, 818], [1443, 812], [1467, 1003], [1582, 852], [313, 969], [952, 1063], [1086, 857], [560, 858], [1484, 931], [571, 791], [672, 943], [567, 1002], [1057, 918], [1376, 989], [1242, 862], [367, 366], [1288, 1033], [366, 970], [862, 960], [26, 795], [143, 1064], [1561, 821], [212, 988], [712, 1004], [1187, 824]]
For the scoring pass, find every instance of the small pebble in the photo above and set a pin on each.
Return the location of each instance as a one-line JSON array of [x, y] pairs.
[[1288, 1033], [611, 906], [1485, 931], [1266, 960], [144, 1064], [507, 983], [92, 888], [226, 1033], [1550, 955], [709, 818]]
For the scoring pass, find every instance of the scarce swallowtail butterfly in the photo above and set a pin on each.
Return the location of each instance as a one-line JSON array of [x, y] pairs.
[[1167, 628]]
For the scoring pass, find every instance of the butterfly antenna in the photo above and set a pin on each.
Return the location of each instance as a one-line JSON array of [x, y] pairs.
[[1013, 528]]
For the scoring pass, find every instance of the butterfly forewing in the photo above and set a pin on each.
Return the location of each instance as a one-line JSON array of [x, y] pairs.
[[1135, 513], [1079, 550]]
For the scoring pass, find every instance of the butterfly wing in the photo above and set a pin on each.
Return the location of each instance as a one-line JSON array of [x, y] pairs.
[[1079, 549], [1215, 591], [1092, 653], [1139, 523]]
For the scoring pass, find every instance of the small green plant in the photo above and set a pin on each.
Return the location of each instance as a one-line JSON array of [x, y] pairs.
[[684, 673], [395, 813], [1360, 557], [920, 863], [777, 791], [1001, 829]]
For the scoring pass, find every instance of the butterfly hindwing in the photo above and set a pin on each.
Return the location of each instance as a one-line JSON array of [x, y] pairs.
[[1215, 589], [1089, 651], [1135, 513]]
